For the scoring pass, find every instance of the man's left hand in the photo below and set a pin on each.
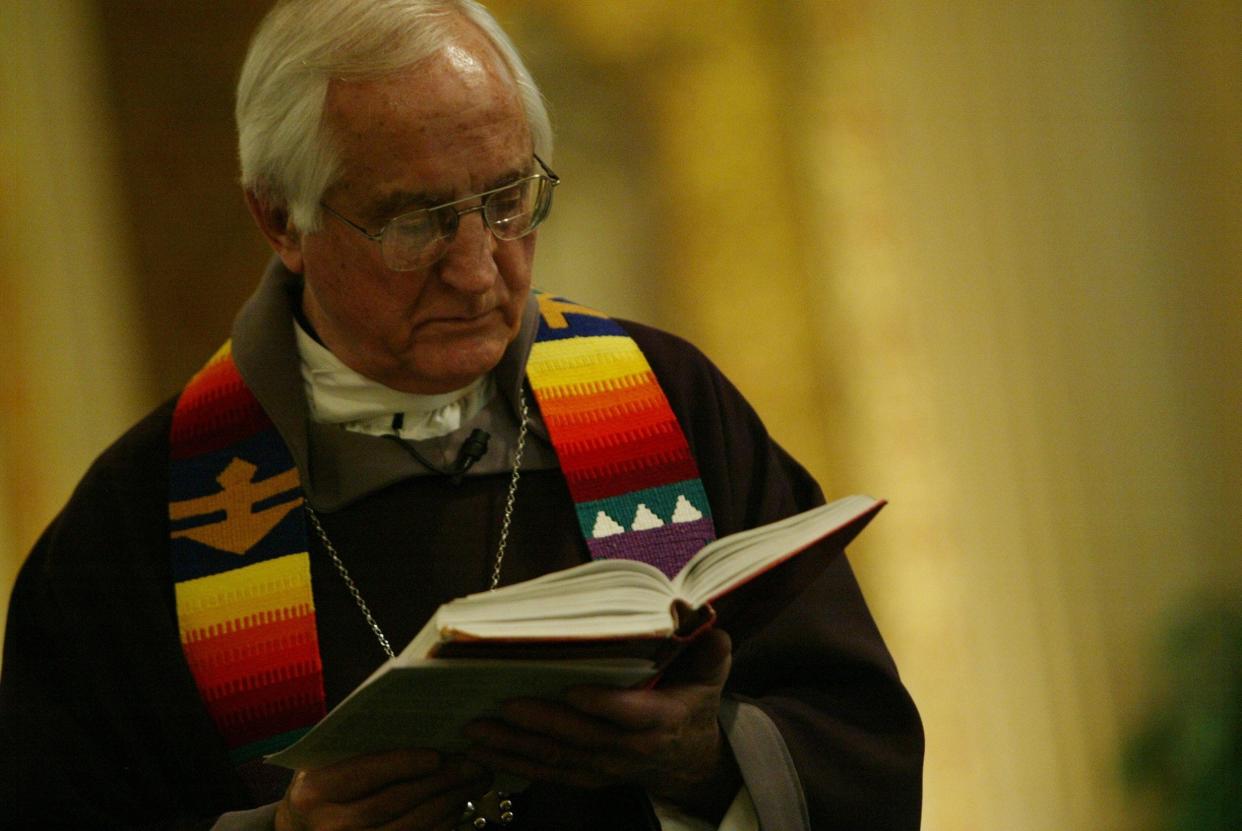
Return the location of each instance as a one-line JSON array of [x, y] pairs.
[[666, 739]]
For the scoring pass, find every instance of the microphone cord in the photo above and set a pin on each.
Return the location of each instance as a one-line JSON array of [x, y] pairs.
[[472, 449]]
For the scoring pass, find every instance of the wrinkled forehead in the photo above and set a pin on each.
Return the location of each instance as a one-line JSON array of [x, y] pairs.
[[464, 80], [436, 107], [450, 125]]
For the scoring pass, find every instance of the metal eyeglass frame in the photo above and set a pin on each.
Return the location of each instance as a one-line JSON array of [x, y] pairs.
[[552, 179]]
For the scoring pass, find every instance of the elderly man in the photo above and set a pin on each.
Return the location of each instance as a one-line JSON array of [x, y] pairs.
[[381, 435]]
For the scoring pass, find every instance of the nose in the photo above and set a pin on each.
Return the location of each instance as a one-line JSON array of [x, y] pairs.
[[469, 264]]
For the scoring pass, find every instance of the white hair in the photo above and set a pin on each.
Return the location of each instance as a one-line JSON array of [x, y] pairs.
[[287, 154]]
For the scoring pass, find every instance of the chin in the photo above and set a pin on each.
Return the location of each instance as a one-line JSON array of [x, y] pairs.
[[454, 368]]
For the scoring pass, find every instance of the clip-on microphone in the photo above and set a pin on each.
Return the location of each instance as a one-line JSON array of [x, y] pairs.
[[472, 449]]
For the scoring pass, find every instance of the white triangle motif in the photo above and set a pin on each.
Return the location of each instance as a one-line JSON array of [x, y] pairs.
[[605, 526], [645, 519], [685, 512]]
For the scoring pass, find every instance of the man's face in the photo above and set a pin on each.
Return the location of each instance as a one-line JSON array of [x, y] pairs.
[[451, 127]]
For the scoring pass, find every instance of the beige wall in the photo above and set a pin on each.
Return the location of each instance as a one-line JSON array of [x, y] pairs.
[[1038, 250], [73, 374], [981, 259]]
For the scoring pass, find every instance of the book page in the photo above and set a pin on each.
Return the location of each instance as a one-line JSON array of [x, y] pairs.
[[426, 705], [627, 599], [733, 560], [602, 598]]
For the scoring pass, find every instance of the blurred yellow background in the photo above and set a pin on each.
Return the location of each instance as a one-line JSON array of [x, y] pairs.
[[983, 259]]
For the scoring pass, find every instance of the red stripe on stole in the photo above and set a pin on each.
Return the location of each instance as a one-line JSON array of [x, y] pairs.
[[614, 480], [602, 474], [660, 442], [633, 418], [215, 411], [258, 679], [245, 648], [292, 702]]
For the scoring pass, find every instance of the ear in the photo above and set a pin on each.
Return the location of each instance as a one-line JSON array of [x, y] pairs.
[[273, 221]]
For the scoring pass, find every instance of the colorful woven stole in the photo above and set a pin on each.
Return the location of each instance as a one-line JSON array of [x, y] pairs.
[[241, 567], [239, 546], [630, 473]]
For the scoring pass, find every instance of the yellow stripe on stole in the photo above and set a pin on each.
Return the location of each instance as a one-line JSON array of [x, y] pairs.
[[243, 596], [594, 361]]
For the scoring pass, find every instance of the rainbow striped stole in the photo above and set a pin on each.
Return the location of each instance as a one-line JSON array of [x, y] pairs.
[[240, 565], [239, 543], [633, 481]]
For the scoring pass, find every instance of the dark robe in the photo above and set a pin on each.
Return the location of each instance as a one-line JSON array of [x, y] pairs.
[[101, 725]]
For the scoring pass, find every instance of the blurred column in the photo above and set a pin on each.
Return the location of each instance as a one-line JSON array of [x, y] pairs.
[[1011, 247], [72, 379], [706, 231], [733, 206]]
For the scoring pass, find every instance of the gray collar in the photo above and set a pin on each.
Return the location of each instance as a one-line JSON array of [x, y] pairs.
[[338, 467]]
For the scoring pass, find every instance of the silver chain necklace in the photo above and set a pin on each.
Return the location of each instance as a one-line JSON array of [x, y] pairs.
[[500, 546]]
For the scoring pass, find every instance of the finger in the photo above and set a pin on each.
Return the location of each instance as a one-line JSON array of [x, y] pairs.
[[608, 757], [440, 813], [420, 797], [631, 711], [696, 680], [553, 766], [706, 661], [562, 722], [549, 751], [352, 779], [501, 736]]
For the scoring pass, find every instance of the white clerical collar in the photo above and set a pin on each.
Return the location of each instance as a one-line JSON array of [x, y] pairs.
[[337, 394]]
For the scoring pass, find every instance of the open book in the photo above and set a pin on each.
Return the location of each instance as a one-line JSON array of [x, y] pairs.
[[613, 622]]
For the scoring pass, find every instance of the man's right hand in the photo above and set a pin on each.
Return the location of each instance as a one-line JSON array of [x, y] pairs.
[[406, 789]]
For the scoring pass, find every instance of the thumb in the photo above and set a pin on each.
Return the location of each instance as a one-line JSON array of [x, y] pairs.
[[705, 661]]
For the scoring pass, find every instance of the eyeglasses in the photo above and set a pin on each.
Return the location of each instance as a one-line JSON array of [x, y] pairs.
[[417, 239]]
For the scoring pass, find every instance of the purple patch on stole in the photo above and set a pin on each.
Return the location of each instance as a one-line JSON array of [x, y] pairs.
[[668, 547]]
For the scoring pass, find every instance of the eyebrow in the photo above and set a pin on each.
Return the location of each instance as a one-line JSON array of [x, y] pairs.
[[399, 202], [403, 201]]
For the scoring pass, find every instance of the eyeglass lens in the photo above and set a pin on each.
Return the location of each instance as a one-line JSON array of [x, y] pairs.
[[421, 237]]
